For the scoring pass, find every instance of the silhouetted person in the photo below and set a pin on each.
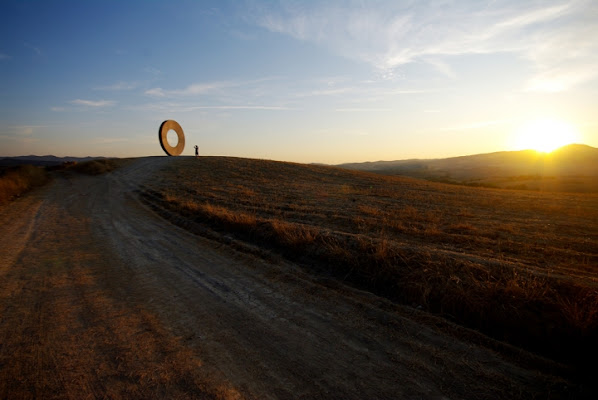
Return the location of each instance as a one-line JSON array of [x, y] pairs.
[[196, 151]]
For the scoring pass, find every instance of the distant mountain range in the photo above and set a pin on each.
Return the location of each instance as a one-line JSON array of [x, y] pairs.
[[570, 168], [42, 161]]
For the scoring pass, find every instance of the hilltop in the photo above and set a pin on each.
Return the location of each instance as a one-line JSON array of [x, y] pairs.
[[572, 168], [41, 161]]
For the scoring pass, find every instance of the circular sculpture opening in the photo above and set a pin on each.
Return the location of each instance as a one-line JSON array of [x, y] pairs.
[[166, 126], [172, 138]]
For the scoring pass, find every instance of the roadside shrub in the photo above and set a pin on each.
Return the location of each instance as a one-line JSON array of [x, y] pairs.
[[18, 180], [95, 167]]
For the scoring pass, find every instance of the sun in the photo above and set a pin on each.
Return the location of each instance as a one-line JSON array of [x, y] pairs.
[[545, 135]]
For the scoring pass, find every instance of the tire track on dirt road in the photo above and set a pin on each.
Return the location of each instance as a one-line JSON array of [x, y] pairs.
[[108, 299]]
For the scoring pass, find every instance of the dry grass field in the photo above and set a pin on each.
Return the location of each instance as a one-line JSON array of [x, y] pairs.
[[266, 292], [15, 181], [100, 166], [18, 180], [522, 267]]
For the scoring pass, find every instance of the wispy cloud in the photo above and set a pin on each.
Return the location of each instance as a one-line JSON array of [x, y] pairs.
[[156, 92], [360, 91], [22, 130], [443, 67], [275, 93], [363, 109], [108, 140], [191, 90], [568, 55], [175, 107], [152, 70], [330, 91], [92, 103], [242, 107], [19, 139], [557, 36], [203, 88], [35, 49], [4, 56], [119, 86], [242, 35], [475, 125]]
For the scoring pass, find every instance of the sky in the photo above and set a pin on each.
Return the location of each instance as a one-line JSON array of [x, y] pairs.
[[303, 81]]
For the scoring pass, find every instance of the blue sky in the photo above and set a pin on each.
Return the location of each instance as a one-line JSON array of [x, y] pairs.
[[306, 81]]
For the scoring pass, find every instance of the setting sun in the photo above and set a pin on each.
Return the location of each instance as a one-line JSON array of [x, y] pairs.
[[545, 135]]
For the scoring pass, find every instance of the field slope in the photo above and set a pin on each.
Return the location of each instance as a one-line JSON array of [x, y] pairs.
[[521, 267], [291, 281]]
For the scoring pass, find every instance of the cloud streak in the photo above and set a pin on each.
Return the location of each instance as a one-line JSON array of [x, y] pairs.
[[119, 86], [35, 49], [191, 90], [109, 140], [475, 125], [23, 130], [555, 36], [198, 89], [186, 107], [92, 103]]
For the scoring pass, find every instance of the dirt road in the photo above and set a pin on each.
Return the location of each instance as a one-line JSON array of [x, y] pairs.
[[102, 298]]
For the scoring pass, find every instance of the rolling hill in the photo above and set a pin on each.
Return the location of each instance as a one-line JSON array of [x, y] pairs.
[[572, 168], [41, 161]]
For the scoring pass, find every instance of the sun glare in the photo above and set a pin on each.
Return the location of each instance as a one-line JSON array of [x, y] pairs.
[[545, 135]]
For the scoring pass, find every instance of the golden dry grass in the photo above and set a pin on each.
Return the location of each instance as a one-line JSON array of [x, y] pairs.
[[15, 181], [18, 180], [99, 166], [521, 267]]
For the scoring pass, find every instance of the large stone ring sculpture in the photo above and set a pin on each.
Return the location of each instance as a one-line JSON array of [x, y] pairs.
[[164, 128]]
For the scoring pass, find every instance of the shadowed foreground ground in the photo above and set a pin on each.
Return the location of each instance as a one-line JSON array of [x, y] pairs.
[[101, 298]]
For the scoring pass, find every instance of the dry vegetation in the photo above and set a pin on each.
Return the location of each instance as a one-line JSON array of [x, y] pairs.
[[67, 332], [522, 267], [99, 166], [15, 181], [571, 184]]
